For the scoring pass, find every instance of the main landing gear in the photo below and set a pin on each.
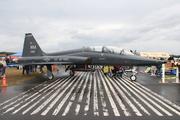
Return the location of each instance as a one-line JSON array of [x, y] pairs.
[[50, 76], [72, 73]]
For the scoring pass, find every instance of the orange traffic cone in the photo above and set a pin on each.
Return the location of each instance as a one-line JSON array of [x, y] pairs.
[[4, 81]]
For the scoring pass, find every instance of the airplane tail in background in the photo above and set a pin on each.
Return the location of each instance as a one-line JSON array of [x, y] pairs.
[[31, 47]]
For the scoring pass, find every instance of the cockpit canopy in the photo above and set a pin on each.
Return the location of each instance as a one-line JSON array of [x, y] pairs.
[[110, 49]]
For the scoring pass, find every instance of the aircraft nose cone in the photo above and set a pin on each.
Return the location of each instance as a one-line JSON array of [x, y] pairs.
[[161, 62]]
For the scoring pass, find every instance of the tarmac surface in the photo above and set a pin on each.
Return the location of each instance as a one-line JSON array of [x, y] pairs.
[[90, 96]]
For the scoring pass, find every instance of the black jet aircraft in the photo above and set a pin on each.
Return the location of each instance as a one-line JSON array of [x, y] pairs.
[[79, 59]]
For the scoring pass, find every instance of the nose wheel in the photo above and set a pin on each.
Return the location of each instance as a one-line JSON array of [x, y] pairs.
[[133, 78]]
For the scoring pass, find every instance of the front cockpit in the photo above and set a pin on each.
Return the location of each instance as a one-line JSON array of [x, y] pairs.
[[110, 49]]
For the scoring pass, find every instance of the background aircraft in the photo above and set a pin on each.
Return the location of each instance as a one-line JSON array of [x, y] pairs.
[[79, 59]]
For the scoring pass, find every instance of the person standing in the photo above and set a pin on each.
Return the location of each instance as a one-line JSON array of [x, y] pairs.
[[35, 68], [41, 69], [159, 68], [171, 58], [3, 67], [153, 70]]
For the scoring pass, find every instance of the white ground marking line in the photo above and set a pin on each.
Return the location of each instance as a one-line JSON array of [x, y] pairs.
[[37, 97], [151, 107], [125, 98], [159, 96], [58, 108], [117, 97], [150, 100], [95, 102], [67, 108], [81, 96], [20, 102], [25, 104], [20, 95], [142, 108], [161, 108], [50, 98], [86, 108], [13, 107], [113, 105], [43, 97], [72, 99], [105, 110], [170, 108]]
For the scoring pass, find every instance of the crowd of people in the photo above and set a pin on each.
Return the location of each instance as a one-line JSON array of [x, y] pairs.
[[32, 69], [156, 70], [26, 68]]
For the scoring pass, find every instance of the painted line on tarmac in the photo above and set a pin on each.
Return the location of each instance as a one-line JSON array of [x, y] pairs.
[[95, 102], [117, 98], [51, 97], [72, 99], [88, 96], [95, 91], [81, 96], [22, 94], [20, 101], [160, 101], [150, 100], [113, 105], [125, 98], [64, 99], [137, 103], [43, 97], [104, 107]]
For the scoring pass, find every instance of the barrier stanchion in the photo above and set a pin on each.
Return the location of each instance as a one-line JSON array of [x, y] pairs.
[[177, 76], [168, 77], [163, 75]]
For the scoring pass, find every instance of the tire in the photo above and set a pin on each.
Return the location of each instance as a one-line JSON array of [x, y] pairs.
[[51, 77], [71, 73], [118, 75], [133, 78]]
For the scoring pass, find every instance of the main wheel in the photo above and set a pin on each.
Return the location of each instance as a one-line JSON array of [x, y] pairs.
[[51, 77], [71, 73], [133, 78]]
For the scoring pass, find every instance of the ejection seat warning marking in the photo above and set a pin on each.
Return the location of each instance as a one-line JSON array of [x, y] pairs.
[[94, 95]]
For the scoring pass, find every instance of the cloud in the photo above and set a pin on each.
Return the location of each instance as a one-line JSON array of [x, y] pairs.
[[60, 25]]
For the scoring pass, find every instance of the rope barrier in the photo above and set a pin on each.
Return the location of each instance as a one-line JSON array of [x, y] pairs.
[[168, 77]]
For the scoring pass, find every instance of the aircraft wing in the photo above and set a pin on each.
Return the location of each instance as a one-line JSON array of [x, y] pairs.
[[60, 60]]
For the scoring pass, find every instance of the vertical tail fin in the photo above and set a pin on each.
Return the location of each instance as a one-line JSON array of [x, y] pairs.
[[31, 47]]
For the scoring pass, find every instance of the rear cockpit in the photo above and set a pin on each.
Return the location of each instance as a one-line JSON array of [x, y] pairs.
[[110, 49]]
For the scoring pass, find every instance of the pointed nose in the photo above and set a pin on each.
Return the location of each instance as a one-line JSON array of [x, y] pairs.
[[161, 62]]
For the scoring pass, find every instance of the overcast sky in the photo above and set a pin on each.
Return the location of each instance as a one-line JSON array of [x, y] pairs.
[[142, 25]]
